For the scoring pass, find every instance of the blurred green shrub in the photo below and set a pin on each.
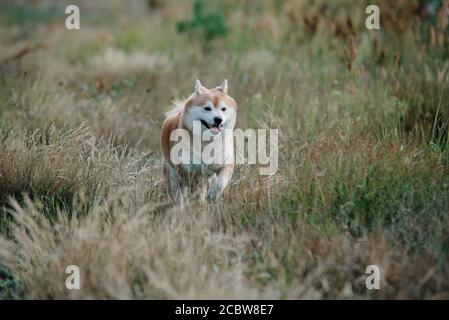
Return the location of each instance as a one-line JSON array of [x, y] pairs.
[[28, 15], [212, 24], [10, 287], [130, 39]]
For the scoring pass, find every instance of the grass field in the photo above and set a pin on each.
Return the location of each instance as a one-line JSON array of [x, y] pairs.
[[363, 173]]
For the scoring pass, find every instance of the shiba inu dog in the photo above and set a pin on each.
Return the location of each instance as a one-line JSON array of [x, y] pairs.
[[214, 112]]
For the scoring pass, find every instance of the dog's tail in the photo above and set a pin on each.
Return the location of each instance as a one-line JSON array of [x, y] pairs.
[[176, 108]]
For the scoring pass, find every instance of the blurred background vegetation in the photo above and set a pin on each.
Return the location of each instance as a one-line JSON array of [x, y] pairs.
[[362, 115]]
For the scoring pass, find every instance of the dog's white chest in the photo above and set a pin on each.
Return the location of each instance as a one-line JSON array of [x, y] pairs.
[[206, 164]]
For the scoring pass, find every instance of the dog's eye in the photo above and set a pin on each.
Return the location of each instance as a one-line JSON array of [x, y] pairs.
[[223, 109], [207, 108]]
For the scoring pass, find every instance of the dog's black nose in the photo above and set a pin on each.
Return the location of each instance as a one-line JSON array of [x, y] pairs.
[[218, 120]]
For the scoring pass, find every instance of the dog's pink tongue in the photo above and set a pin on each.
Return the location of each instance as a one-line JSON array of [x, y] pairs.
[[216, 130]]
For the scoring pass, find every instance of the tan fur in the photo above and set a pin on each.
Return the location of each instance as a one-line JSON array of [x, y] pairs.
[[210, 179]]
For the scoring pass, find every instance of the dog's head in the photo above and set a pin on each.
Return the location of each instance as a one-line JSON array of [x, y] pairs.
[[213, 108]]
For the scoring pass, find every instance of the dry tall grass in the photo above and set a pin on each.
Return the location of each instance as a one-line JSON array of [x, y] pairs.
[[363, 164]]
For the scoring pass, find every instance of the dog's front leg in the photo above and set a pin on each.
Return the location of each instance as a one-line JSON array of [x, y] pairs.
[[174, 184], [220, 182]]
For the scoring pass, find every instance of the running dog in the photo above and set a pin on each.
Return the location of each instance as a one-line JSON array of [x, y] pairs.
[[215, 112]]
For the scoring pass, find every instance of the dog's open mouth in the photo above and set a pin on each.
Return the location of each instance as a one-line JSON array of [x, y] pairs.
[[215, 128]]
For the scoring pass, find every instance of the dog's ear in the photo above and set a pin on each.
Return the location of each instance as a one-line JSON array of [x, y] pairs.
[[224, 86], [198, 86]]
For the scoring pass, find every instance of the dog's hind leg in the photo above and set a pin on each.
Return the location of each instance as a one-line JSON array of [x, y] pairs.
[[174, 183]]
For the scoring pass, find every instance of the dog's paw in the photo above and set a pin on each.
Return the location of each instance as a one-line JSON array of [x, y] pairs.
[[214, 192], [212, 196]]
